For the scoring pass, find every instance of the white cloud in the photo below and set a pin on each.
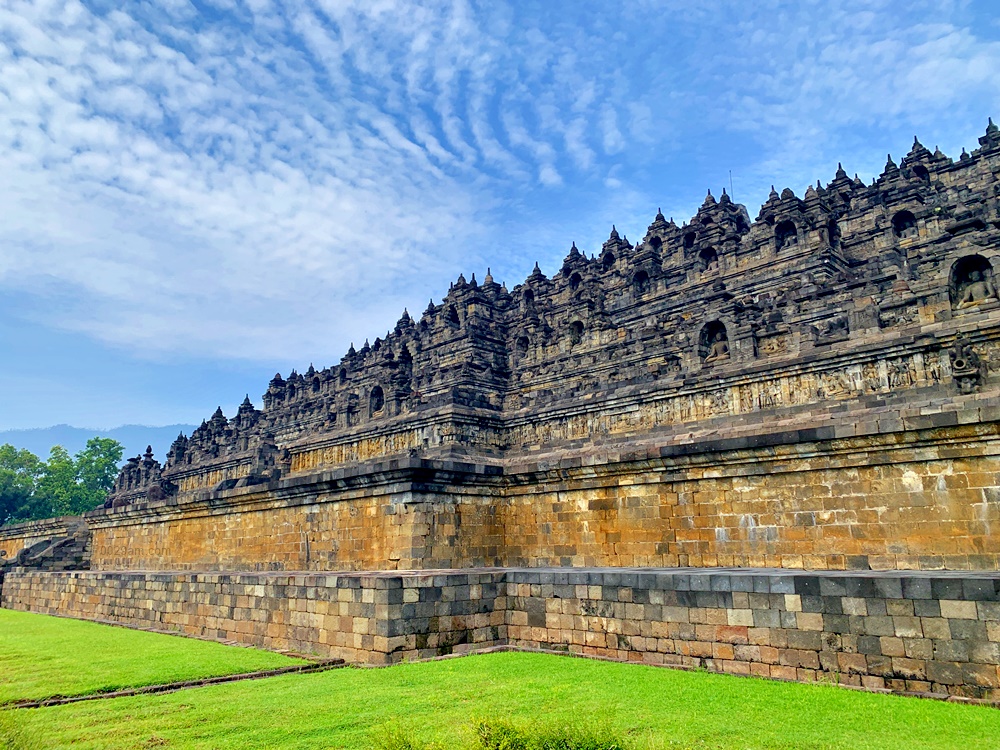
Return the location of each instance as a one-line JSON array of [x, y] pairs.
[[276, 179]]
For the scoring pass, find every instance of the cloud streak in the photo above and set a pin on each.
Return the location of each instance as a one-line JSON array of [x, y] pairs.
[[266, 180]]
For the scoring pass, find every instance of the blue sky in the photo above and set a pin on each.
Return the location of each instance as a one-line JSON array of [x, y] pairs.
[[198, 194]]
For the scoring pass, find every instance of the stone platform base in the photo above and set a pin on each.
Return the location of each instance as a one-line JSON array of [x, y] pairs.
[[905, 631]]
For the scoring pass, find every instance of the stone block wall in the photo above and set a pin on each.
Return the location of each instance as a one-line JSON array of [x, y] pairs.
[[914, 632], [406, 514], [904, 631], [916, 499], [365, 618], [15, 537]]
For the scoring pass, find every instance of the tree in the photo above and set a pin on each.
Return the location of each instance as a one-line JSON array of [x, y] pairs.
[[96, 471], [57, 485], [20, 471], [32, 489]]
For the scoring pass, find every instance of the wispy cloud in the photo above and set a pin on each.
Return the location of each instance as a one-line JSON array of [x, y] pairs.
[[254, 179]]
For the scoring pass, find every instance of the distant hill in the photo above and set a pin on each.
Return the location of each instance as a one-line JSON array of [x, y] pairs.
[[134, 437]]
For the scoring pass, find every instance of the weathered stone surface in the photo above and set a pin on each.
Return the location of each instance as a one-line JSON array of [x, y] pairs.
[[784, 371], [382, 618], [815, 390]]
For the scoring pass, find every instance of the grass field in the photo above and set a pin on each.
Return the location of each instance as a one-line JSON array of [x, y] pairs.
[[43, 656], [438, 702]]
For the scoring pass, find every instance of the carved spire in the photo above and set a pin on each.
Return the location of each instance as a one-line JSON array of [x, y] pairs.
[[917, 153], [992, 137], [659, 223], [572, 259], [891, 170], [841, 174]]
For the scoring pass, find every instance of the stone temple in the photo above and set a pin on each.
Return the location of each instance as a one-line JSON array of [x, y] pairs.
[[763, 446]]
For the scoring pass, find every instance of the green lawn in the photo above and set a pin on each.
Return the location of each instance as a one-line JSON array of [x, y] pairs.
[[439, 702], [42, 656]]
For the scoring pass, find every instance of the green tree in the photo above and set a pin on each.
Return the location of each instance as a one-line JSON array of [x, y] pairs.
[[31, 489], [57, 485], [96, 470], [20, 471]]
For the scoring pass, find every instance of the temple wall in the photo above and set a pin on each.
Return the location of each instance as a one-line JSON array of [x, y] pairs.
[[935, 633], [926, 499], [383, 520], [916, 499], [15, 537], [917, 632], [358, 617]]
